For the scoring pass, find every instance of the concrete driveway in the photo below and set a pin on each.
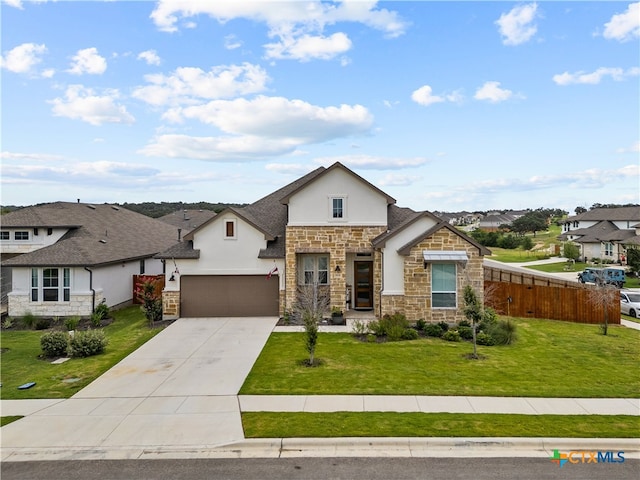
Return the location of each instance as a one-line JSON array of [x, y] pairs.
[[179, 389]]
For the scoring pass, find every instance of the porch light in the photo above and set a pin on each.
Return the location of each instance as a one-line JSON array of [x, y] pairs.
[[337, 268]]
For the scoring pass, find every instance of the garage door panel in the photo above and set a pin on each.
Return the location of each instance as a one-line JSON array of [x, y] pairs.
[[228, 295]]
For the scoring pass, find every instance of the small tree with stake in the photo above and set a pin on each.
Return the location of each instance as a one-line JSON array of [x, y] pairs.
[[601, 296], [473, 312], [311, 304], [151, 300]]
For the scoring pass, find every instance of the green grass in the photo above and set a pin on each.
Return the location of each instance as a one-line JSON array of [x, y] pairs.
[[518, 255], [7, 420], [20, 363], [631, 319], [378, 424], [549, 359], [558, 267]]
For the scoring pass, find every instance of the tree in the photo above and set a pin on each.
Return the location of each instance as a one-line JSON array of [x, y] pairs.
[[601, 296], [529, 222], [311, 305], [633, 259], [473, 312], [571, 251], [151, 300], [580, 210]]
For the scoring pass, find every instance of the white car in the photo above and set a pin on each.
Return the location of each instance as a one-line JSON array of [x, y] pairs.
[[630, 303]]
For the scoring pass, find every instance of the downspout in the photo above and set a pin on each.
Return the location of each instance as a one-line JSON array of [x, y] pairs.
[[381, 284], [93, 292]]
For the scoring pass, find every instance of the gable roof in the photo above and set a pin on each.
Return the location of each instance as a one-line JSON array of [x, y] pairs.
[[604, 231], [97, 235], [337, 166], [612, 214], [399, 219], [406, 249]]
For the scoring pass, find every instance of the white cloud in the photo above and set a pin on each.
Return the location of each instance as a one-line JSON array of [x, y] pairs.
[[372, 162], [88, 61], [492, 92], [624, 26], [309, 47], [39, 157], [13, 3], [82, 103], [186, 84], [424, 96], [231, 42], [517, 26], [149, 56], [593, 78], [289, 168], [635, 148], [23, 58], [396, 180], [297, 26]]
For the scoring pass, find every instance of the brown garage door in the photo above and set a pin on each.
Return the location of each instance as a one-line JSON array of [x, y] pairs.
[[228, 296]]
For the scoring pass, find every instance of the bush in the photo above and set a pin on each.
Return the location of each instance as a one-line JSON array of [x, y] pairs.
[[96, 319], [359, 328], [444, 325], [410, 334], [102, 311], [503, 332], [86, 344], [376, 328], [42, 324], [466, 333], [54, 344], [433, 330], [421, 324], [29, 320], [395, 332], [464, 323], [483, 338], [71, 323], [451, 336], [7, 322]]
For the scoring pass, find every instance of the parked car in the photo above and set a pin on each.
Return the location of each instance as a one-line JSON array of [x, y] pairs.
[[630, 303], [603, 276]]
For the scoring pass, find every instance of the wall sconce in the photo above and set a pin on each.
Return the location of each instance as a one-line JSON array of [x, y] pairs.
[[172, 278], [337, 268]]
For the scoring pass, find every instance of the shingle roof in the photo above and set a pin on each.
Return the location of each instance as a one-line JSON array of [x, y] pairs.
[[98, 235], [187, 220], [612, 214], [601, 232]]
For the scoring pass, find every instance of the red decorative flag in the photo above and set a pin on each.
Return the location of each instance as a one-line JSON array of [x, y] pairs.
[[273, 270]]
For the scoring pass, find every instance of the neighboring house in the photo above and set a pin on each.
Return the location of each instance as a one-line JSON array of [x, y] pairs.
[[494, 220], [69, 257], [187, 220], [331, 228], [604, 233]]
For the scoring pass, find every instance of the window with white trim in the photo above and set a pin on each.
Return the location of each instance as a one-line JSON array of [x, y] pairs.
[[21, 235], [315, 268], [4, 235], [230, 229], [443, 285], [608, 249], [337, 207], [50, 284]]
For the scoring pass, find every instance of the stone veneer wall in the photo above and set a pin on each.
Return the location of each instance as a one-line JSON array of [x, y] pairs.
[[170, 305], [78, 305], [336, 241], [417, 298]]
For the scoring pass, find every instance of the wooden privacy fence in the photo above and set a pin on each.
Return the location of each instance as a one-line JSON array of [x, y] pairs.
[[138, 280], [533, 296]]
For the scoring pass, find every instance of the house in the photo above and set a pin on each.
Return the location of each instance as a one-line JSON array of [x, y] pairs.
[[187, 220], [492, 221], [68, 257], [330, 228], [604, 233]]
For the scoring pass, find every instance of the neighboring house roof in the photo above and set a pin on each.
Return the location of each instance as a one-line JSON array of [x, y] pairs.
[[406, 249], [187, 220], [600, 232], [497, 220], [98, 234], [612, 214]]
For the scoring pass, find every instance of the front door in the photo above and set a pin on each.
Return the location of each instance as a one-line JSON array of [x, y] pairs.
[[364, 285]]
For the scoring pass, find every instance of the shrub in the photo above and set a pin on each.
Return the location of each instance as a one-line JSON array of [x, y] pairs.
[[86, 344], [466, 333], [7, 322], [451, 336], [410, 334], [433, 330], [483, 338], [376, 328], [29, 320], [395, 332], [71, 323], [503, 332], [54, 344], [42, 324], [96, 319], [421, 324], [371, 338], [464, 323], [359, 328], [102, 311], [443, 325]]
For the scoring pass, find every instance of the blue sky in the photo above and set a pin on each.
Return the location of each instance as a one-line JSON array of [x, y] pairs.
[[446, 106]]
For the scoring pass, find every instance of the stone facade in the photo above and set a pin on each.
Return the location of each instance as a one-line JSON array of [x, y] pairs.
[[417, 297], [170, 305], [336, 242], [78, 305]]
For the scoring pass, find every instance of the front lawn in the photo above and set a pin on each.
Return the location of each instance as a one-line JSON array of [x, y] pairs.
[[549, 359], [378, 424], [21, 362]]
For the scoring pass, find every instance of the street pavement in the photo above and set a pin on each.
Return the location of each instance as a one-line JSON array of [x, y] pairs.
[[177, 397]]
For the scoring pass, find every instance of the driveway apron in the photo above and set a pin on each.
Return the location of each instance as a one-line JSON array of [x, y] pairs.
[[178, 389]]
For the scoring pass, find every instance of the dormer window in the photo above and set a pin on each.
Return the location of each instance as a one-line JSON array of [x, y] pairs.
[[230, 229], [338, 208]]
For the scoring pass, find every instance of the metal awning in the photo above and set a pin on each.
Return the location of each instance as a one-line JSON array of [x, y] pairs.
[[431, 256]]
